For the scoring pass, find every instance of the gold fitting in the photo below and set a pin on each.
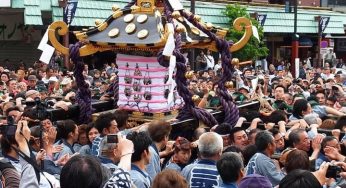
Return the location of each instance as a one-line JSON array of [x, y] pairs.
[[98, 22], [176, 14], [103, 26], [229, 85], [209, 26], [195, 98], [235, 61], [180, 29], [115, 8], [81, 36], [189, 75], [197, 18]]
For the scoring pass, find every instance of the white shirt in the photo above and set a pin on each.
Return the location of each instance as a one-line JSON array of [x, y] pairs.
[[210, 61]]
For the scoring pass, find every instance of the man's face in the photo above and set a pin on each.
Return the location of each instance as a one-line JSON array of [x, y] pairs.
[[280, 73], [321, 98], [20, 74], [279, 141], [113, 129], [330, 103], [334, 143], [288, 99], [32, 83], [247, 73], [12, 85], [304, 143], [240, 139], [279, 93]]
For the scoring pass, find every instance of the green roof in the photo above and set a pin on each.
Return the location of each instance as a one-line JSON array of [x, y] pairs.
[[280, 22], [32, 12], [277, 20]]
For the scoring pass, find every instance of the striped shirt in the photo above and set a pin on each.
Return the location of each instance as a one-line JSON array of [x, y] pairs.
[[202, 174]]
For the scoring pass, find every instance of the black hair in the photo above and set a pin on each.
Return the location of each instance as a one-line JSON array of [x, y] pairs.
[[104, 121], [248, 152], [223, 129], [324, 142], [332, 98], [262, 140], [232, 149], [285, 90], [274, 131], [294, 136], [65, 127], [276, 116], [340, 123], [229, 167], [121, 117], [298, 107], [81, 171], [141, 142], [300, 178], [13, 108]]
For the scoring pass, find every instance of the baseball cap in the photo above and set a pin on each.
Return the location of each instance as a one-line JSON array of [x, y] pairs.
[[32, 77], [255, 181], [53, 79], [66, 81], [30, 92], [244, 87]]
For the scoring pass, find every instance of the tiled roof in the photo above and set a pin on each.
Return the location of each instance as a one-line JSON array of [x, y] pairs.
[[277, 20], [32, 12]]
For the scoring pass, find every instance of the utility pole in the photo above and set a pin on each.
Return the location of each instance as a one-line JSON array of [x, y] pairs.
[[63, 4], [319, 63], [192, 51], [295, 41]]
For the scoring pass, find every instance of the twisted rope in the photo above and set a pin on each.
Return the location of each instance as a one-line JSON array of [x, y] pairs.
[[189, 110], [83, 96], [130, 4], [230, 109]]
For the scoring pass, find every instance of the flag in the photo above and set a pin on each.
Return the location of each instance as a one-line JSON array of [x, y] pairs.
[[69, 11]]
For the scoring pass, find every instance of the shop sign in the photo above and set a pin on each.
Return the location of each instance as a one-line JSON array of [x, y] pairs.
[[12, 28]]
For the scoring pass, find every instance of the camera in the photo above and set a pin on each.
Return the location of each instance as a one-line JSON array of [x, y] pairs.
[[9, 129], [333, 171], [112, 138]]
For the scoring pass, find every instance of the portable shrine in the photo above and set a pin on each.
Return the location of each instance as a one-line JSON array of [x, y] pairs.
[[148, 36]]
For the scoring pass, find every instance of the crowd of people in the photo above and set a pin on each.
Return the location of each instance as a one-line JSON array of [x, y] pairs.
[[280, 145]]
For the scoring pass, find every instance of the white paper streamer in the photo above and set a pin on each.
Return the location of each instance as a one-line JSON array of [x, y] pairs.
[[176, 4], [255, 33], [172, 63]]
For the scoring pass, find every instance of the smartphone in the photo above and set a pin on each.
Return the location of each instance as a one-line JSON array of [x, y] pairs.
[[112, 138]]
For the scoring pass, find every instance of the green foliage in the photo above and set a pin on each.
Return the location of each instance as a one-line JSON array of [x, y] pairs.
[[253, 49]]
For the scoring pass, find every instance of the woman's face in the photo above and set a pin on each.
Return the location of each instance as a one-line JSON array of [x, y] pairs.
[[4, 78], [183, 156], [93, 133]]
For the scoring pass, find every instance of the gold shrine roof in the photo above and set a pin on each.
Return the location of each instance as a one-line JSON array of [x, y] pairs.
[[143, 27]]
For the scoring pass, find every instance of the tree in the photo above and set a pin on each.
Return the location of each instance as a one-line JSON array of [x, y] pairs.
[[254, 49]]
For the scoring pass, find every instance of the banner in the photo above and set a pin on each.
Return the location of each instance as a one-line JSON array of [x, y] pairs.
[[69, 11]]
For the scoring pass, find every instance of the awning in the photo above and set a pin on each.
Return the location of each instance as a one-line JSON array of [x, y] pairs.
[[280, 22]]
